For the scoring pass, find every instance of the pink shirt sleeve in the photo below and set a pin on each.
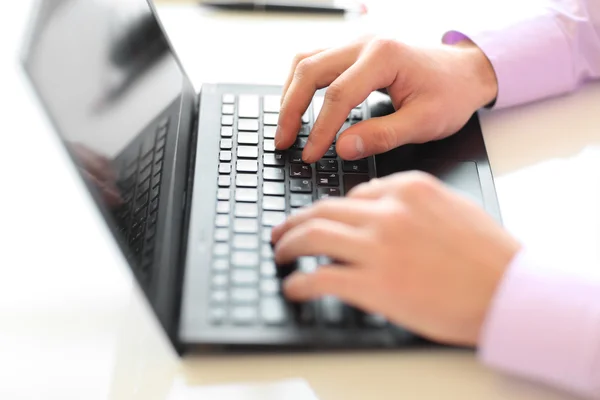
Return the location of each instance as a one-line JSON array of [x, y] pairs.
[[544, 322], [543, 54]]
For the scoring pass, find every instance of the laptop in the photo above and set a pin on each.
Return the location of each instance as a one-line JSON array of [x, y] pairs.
[[190, 185]]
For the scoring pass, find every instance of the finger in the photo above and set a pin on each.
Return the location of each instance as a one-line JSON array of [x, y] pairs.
[[322, 237], [368, 74], [311, 74], [295, 63], [378, 135], [391, 184], [339, 210], [327, 280]]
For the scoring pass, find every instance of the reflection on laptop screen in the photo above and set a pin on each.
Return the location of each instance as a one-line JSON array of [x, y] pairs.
[[107, 78]]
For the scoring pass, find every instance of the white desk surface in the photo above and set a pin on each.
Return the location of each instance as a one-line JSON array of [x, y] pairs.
[[72, 324]]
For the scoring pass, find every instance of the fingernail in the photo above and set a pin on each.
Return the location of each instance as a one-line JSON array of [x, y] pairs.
[[277, 137], [351, 147], [276, 230], [307, 153]]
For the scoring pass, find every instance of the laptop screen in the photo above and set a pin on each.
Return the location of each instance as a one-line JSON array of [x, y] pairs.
[[104, 72]]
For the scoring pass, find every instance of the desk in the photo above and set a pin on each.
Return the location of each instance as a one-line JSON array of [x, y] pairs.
[[72, 323]]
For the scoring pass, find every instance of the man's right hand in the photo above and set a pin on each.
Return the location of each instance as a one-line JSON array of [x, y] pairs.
[[434, 90]]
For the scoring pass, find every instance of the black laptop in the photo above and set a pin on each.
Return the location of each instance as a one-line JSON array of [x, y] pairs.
[[190, 183]]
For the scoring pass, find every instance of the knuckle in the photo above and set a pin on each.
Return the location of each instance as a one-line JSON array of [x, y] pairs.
[[385, 46], [299, 57], [420, 183], [304, 68], [387, 138], [335, 93]]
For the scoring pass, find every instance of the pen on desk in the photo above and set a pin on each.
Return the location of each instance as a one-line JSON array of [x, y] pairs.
[[290, 8]]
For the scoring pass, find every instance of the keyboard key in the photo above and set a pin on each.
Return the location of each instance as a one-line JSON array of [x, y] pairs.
[[245, 242], [273, 218], [245, 225], [332, 310], [246, 210], [218, 297], [223, 207], [300, 185], [247, 125], [307, 265], [222, 221], [273, 188], [228, 98], [224, 181], [274, 160], [226, 132], [325, 192], [269, 145], [361, 166], [217, 315], [352, 180], [247, 138], [374, 321], [271, 203], [327, 166], [356, 115], [305, 313], [300, 143], [225, 156], [221, 249], [268, 269], [245, 259], [273, 174], [295, 157], [246, 195], [300, 171], [221, 265], [266, 252], [244, 277], [248, 106], [328, 179], [244, 295], [223, 194], [244, 315], [227, 120], [247, 152], [226, 144], [269, 132], [246, 180], [227, 109], [225, 168], [271, 119], [222, 235], [273, 311], [300, 200], [270, 287], [271, 104], [247, 166], [266, 234], [219, 281], [304, 131]]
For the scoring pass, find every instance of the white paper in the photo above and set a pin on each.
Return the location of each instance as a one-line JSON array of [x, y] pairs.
[[292, 389]]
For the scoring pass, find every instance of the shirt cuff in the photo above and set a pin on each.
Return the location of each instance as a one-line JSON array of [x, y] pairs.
[[544, 325], [531, 58]]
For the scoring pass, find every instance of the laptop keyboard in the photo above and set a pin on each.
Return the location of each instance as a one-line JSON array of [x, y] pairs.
[[258, 188], [139, 185]]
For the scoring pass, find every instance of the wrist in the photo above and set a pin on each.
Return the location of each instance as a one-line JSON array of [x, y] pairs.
[[485, 88]]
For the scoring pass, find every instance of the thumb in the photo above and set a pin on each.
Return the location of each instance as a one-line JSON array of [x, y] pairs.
[[378, 135]]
